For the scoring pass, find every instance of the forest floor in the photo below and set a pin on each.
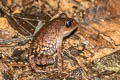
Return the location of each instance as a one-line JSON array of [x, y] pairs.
[[95, 45]]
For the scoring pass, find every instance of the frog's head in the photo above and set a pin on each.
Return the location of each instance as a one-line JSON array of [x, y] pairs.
[[66, 26]]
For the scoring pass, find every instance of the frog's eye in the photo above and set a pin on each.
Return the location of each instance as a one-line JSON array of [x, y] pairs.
[[68, 24]]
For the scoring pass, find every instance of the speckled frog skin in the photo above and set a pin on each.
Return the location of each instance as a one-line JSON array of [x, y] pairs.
[[48, 41]]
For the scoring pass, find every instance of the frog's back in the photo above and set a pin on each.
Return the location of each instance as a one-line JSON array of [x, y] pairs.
[[45, 40]]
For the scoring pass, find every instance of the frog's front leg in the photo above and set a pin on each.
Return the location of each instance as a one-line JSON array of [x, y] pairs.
[[60, 58]]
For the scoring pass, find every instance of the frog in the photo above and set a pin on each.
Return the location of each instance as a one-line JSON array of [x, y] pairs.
[[48, 41]]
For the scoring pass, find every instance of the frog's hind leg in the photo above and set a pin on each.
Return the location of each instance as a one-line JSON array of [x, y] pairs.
[[45, 61], [41, 61], [33, 64]]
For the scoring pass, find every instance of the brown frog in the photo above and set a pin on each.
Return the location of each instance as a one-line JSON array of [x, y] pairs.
[[48, 41]]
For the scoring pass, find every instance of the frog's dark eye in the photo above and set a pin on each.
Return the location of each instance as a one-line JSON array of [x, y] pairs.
[[68, 24]]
